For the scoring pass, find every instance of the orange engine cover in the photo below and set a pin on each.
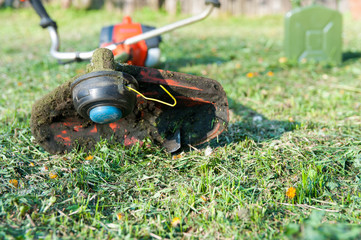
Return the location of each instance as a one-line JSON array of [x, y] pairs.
[[120, 32]]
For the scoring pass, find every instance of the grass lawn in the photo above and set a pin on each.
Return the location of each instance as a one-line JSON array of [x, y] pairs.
[[290, 126]]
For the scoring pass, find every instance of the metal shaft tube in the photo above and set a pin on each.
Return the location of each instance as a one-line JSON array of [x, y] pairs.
[[170, 27]]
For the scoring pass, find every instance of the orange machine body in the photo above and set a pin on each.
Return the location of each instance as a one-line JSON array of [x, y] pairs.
[[120, 32]]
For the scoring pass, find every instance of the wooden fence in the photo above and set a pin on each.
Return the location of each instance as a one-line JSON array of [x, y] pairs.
[[232, 7], [254, 7]]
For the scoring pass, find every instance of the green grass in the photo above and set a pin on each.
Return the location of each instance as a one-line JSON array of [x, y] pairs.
[[299, 127]]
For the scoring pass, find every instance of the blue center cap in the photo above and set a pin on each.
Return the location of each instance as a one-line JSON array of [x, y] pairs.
[[105, 114]]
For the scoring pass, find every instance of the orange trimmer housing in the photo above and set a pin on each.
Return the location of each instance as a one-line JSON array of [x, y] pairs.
[[137, 52]]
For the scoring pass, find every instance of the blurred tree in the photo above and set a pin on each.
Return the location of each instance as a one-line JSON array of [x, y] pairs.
[[65, 3], [296, 3], [171, 6]]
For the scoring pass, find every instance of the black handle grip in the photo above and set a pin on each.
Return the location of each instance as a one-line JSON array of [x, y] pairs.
[[45, 20], [215, 3]]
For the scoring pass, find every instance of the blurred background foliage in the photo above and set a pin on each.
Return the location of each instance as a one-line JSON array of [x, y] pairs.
[[231, 7]]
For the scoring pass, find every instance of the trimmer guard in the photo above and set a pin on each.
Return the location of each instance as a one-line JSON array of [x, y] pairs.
[[201, 114]]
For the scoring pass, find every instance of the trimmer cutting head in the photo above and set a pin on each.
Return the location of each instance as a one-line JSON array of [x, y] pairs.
[[109, 103]]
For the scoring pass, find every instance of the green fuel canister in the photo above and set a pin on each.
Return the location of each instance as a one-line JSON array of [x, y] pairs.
[[313, 33]]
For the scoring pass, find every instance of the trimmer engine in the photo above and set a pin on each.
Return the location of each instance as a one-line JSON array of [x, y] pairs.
[[143, 53], [133, 43]]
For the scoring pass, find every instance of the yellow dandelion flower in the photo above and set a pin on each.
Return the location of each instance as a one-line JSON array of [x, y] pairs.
[[204, 198], [204, 72], [291, 192], [175, 222], [53, 175], [290, 119], [270, 74], [14, 182], [120, 216], [282, 60], [32, 164], [176, 156], [250, 75], [90, 157]]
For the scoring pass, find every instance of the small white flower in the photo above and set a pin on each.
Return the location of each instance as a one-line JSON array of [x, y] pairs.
[[257, 118], [208, 151]]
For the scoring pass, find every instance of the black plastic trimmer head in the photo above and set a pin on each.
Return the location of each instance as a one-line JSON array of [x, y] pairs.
[[107, 103]]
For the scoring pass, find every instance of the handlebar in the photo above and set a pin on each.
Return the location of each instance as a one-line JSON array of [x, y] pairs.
[[215, 3], [45, 20]]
